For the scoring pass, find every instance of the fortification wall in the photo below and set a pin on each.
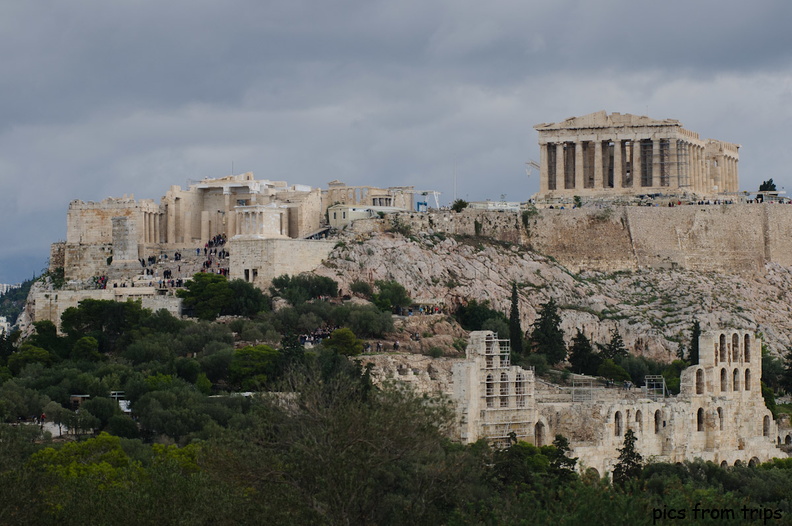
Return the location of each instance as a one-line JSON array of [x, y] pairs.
[[261, 260], [50, 305], [726, 238]]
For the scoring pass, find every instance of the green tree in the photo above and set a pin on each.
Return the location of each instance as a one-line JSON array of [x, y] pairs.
[[303, 287], [247, 299], [547, 337], [28, 354], [695, 334], [562, 466], [391, 295], [582, 356], [767, 186], [609, 369], [474, 315], [515, 330], [630, 463], [253, 366], [785, 380], [207, 295], [615, 348], [343, 341], [87, 349], [46, 337], [459, 205], [111, 323]]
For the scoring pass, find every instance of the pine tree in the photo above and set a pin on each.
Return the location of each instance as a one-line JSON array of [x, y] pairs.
[[582, 356], [515, 330], [615, 348], [630, 463], [695, 332], [547, 337]]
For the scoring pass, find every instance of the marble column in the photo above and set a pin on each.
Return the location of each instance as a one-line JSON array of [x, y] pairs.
[[636, 163], [618, 164], [599, 173], [560, 172], [579, 185], [544, 173]]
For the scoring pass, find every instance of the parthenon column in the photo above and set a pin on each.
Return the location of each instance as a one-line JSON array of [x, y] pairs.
[[636, 171], [560, 164], [157, 228], [618, 164], [656, 172], [579, 165], [673, 170], [598, 171], [544, 173]]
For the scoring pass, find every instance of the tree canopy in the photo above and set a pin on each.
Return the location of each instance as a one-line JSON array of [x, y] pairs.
[[547, 337]]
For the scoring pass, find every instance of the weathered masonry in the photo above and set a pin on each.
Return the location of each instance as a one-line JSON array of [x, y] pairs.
[[610, 155], [719, 415]]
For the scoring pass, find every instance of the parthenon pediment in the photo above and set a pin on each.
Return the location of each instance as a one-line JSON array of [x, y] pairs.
[[601, 119]]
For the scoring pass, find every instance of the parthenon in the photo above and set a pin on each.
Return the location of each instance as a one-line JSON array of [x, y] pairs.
[[623, 154]]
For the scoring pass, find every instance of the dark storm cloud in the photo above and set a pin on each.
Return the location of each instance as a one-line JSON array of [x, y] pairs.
[[108, 98]]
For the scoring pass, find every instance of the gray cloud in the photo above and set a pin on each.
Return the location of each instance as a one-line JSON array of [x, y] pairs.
[[104, 99]]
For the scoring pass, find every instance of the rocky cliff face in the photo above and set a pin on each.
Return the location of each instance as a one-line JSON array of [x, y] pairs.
[[653, 309]]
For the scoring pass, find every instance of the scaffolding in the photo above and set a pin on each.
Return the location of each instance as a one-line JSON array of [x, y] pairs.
[[655, 387], [582, 389]]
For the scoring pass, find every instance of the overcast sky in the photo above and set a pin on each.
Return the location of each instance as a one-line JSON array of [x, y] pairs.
[[103, 98]]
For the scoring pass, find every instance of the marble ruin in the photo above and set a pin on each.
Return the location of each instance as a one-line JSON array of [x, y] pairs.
[[719, 414], [601, 155], [117, 232]]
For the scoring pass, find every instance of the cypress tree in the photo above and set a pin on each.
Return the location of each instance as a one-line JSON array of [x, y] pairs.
[[547, 337], [515, 330], [694, 342]]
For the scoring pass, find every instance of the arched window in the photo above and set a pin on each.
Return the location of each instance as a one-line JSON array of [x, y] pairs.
[[490, 391], [617, 424], [722, 342], [724, 380], [519, 390], [735, 348], [539, 434], [747, 379], [753, 462], [766, 426], [658, 421], [700, 420], [720, 418], [700, 382], [724, 464], [639, 420], [788, 440], [736, 380], [747, 348], [738, 463], [504, 390]]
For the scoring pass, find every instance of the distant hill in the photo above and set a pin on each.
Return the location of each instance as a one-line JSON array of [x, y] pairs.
[[13, 301]]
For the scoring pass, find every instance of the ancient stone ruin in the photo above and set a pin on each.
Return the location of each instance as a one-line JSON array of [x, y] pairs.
[[719, 414]]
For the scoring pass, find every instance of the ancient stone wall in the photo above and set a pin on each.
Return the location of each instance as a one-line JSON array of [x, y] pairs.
[[719, 415], [260, 260], [49, 305], [725, 238]]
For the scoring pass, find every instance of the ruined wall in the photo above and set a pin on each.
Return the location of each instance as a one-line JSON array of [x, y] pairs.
[[726, 238], [86, 261], [261, 260], [49, 305], [719, 415]]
